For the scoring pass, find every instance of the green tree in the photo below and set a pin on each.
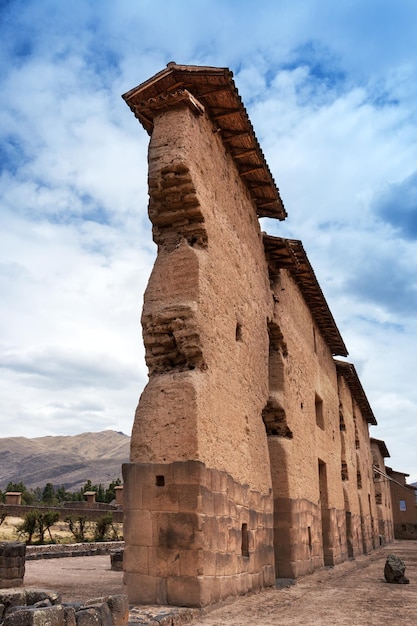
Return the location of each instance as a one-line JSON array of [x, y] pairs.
[[89, 486], [44, 522], [37, 494], [62, 495], [104, 525], [37, 522], [100, 497], [28, 526], [77, 525], [110, 494], [48, 494]]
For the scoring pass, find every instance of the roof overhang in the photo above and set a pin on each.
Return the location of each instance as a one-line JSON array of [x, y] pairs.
[[289, 254], [392, 471], [348, 371], [212, 90], [382, 447]]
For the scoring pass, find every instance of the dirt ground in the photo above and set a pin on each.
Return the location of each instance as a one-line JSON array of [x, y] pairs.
[[353, 593], [76, 579]]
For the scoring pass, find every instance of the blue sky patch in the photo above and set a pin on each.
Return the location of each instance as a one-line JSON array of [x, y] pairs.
[[397, 206]]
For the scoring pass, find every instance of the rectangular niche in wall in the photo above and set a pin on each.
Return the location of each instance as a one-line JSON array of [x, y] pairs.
[[319, 411]]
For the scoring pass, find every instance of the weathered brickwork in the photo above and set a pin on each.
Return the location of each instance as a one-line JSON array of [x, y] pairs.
[[250, 451]]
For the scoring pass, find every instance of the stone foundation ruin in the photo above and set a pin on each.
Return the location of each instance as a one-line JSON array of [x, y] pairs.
[[12, 564], [38, 607], [242, 468]]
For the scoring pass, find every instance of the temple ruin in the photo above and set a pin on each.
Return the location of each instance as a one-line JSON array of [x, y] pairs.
[[250, 450]]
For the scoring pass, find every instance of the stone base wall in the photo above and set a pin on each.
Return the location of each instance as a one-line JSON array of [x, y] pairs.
[[354, 536], [12, 564], [297, 537], [365, 534], [370, 537], [386, 531], [337, 551], [405, 531], [193, 535], [300, 544]]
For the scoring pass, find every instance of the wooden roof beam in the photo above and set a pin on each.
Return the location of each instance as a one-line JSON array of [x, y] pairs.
[[226, 113], [243, 153], [251, 170]]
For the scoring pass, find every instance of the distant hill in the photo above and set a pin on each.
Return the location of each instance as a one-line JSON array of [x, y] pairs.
[[63, 460]]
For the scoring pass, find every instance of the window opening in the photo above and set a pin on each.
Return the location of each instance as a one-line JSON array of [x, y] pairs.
[[319, 412], [245, 540]]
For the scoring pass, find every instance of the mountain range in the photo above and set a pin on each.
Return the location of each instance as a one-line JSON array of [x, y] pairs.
[[67, 461]]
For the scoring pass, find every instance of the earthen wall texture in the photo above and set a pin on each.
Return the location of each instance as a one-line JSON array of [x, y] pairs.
[[309, 376], [358, 475], [198, 497], [205, 311], [309, 513], [349, 454], [349, 451], [366, 492], [382, 496]]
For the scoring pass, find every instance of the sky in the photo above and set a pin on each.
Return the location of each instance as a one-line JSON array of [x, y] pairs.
[[331, 90]]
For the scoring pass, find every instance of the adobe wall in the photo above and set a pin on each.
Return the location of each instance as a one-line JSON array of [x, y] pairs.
[[209, 285], [309, 525], [382, 495], [403, 506], [349, 460], [198, 494], [358, 483], [366, 492]]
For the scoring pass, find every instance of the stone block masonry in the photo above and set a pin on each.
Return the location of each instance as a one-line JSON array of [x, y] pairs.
[[200, 536], [12, 563]]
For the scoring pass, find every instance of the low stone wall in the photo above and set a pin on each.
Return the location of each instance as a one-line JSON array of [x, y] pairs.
[[116, 560], [58, 551], [12, 563], [30, 607], [92, 512]]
